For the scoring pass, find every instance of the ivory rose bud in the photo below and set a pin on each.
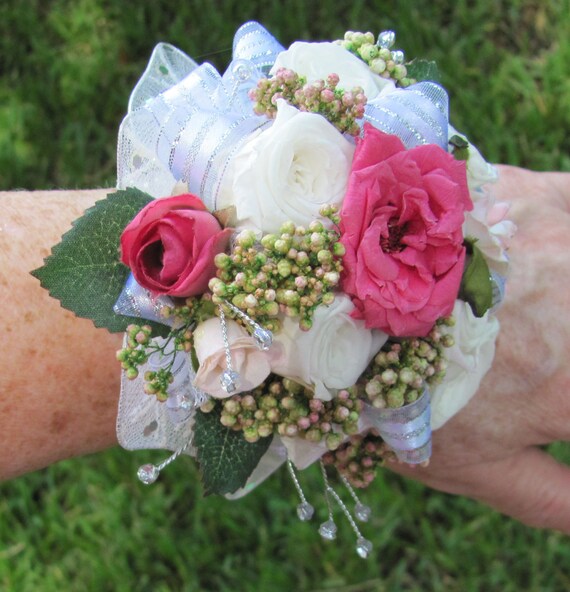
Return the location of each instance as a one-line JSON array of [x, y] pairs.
[[401, 225], [316, 61], [469, 359], [252, 364], [332, 354], [288, 171], [170, 246]]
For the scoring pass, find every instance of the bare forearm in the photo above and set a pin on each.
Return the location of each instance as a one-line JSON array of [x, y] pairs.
[[59, 382]]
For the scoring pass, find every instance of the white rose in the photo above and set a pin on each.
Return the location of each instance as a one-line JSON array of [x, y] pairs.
[[316, 61], [332, 354], [288, 171], [487, 224], [469, 360], [252, 364], [479, 171]]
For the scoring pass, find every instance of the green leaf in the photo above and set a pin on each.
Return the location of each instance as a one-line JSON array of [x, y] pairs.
[[476, 287], [460, 147], [423, 70], [84, 271], [226, 458]]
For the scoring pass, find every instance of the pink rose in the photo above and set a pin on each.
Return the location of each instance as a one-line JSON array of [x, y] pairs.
[[401, 225], [170, 246]]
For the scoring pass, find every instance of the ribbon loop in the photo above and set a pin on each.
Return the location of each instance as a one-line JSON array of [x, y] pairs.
[[417, 115], [405, 429]]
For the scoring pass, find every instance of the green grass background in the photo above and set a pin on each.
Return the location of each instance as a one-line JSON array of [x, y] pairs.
[[67, 68]]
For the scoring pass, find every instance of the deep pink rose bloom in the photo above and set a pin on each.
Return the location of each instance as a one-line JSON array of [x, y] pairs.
[[170, 246], [401, 226]]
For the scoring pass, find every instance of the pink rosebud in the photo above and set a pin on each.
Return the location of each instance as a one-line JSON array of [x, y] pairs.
[[170, 246]]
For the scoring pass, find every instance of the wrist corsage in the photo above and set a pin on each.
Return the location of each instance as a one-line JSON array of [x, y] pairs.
[[305, 260]]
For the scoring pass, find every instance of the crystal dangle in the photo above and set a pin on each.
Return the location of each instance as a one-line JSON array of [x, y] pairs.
[[262, 337], [229, 378], [305, 510], [363, 546], [149, 473], [361, 511], [327, 529]]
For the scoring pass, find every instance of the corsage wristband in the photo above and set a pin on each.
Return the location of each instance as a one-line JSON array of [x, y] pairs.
[[305, 259]]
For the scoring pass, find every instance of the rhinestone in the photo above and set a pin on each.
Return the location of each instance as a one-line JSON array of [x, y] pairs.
[[305, 511], [263, 338], [386, 39], [242, 71], [229, 381], [328, 530], [398, 56], [362, 512], [363, 547], [185, 402], [148, 474]]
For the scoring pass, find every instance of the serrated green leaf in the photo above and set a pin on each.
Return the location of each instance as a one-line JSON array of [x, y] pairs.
[[423, 70], [476, 287], [84, 271], [226, 458]]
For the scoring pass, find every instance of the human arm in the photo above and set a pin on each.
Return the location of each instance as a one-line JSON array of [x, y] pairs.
[[59, 380], [489, 451], [60, 389]]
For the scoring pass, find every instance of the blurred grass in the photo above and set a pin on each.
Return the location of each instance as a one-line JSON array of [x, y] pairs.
[[67, 68]]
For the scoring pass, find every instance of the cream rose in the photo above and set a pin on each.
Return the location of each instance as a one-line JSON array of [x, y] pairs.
[[316, 61], [288, 171], [333, 354], [252, 364], [487, 223], [469, 360]]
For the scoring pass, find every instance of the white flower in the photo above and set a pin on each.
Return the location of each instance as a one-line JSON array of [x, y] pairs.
[[469, 360], [288, 171], [487, 224], [316, 61], [332, 354], [479, 171], [252, 365]]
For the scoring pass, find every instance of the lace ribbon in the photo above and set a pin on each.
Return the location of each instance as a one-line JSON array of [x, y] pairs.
[[141, 422]]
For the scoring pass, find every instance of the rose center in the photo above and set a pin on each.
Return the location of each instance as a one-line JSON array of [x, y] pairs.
[[393, 242], [154, 259]]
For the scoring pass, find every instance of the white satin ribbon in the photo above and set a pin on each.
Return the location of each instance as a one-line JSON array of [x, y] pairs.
[[405, 429]]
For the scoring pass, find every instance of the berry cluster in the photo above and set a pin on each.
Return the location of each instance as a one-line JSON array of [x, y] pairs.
[[287, 408], [357, 458], [134, 354], [290, 272], [399, 373], [340, 107], [184, 315], [381, 60]]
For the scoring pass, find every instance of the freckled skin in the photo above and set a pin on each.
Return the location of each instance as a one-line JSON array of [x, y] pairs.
[[59, 380]]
